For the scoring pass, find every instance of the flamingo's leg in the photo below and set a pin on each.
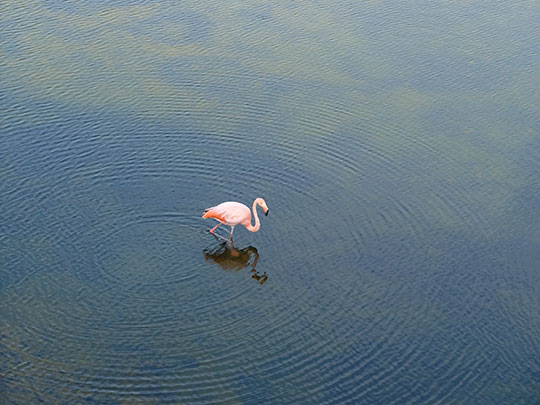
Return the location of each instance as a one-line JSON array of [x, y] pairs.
[[232, 230], [214, 228], [217, 235]]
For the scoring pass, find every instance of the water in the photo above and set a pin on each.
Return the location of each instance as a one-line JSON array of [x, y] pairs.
[[396, 145]]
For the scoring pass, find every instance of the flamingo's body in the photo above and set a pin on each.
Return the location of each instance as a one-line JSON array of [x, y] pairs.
[[233, 213]]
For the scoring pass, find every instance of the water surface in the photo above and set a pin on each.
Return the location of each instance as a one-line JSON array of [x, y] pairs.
[[396, 145]]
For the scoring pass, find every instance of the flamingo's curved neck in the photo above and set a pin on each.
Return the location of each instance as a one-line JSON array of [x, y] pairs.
[[254, 228]]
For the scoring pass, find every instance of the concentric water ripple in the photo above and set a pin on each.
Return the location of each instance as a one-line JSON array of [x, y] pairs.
[[383, 273], [133, 271]]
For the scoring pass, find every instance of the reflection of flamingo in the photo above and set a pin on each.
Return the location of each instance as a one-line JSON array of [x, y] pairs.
[[230, 258], [233, 213]]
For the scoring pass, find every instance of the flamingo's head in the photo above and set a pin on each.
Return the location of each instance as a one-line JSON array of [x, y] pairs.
[[262, 203]]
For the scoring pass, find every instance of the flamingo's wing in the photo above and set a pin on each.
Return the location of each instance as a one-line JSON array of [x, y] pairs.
[[212, 213], [229, 213]]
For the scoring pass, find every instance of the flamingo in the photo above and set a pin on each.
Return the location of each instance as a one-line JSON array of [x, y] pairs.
[[233, 213]]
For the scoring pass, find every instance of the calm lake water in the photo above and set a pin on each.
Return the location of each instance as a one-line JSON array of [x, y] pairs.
[[396, 143]]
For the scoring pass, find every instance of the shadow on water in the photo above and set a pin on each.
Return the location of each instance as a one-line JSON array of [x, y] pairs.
[[233, 259]]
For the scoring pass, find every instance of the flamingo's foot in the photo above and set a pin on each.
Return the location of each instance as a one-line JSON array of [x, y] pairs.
[[217, 235]]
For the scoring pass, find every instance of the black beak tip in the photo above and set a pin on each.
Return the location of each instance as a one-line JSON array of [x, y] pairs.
[[266, 213]]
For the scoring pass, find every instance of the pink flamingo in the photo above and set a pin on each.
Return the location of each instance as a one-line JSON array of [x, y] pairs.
[[233, 213]]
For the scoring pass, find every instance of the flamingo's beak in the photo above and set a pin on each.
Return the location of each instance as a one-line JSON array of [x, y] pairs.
[[266, 213]]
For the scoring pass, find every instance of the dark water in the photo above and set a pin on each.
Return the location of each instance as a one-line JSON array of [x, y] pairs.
[[396, 143]]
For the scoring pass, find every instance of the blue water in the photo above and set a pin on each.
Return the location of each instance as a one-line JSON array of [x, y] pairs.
[[396, 145]]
